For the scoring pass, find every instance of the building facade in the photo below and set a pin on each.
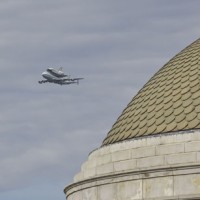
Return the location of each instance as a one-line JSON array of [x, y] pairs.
[[153, 149]]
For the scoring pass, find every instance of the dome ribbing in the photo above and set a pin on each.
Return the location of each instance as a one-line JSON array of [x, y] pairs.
[[169, 101]]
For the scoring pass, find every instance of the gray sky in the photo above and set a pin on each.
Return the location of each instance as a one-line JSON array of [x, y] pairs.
[[47, 131]]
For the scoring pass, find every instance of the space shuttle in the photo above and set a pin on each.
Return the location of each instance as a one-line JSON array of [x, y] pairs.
[[56, 72]]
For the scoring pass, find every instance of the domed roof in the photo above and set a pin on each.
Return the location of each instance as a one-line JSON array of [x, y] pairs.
[[169, 101]]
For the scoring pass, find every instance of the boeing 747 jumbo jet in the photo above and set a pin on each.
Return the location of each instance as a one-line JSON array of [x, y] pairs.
[[52, 75]]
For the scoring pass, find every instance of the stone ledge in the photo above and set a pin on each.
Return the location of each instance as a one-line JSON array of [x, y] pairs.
[[145, 141], [159, 153], [132, 175]]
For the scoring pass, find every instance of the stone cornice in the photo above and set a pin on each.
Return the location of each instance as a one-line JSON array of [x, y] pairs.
[[133, 175]]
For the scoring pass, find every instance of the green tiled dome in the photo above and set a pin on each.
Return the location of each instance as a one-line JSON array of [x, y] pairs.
[[169, 101]]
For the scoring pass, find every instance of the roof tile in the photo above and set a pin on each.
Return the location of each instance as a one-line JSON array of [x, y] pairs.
[[169, 101]]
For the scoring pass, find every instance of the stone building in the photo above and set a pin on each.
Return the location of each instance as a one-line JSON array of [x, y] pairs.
[[153, 149]]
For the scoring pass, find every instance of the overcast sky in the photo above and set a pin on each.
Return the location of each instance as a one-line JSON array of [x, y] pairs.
[[47, 131]]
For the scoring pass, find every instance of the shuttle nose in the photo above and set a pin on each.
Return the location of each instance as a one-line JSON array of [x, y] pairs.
[[44, 74]]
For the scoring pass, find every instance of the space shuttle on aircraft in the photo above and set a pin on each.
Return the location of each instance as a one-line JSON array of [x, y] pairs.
[[52, 75], [58, 73]]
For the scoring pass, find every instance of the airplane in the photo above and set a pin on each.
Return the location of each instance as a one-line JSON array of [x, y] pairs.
[[52, 75]]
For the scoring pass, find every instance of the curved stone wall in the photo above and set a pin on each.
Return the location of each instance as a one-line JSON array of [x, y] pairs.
[[160, 167]]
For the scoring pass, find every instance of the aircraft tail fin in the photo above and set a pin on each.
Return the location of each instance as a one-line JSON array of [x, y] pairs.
[[60, 69]]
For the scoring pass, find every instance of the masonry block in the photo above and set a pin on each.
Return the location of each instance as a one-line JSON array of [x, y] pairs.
[[192, 146], [168, 139], [101, 160], [186, 137], [187, 184], [94, 154], [104, 150], [169, 149], [158, 187], [142, 142], [198, 157], [89, 194], [84, 166], [182, 158], [107, 192], [143, 152], [152, 141], [75, 196], [105, 169], [129, 190], [125, 165], [117, 147], [121, 155], [150, 162], [78, 177], [89, 173], [196, 135], [90, 164]]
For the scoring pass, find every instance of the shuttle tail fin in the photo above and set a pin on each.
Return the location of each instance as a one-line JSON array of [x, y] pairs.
[[60, 69]]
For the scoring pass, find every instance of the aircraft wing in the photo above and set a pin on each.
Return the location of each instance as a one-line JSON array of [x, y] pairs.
[[72, 79], [42, 81]]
